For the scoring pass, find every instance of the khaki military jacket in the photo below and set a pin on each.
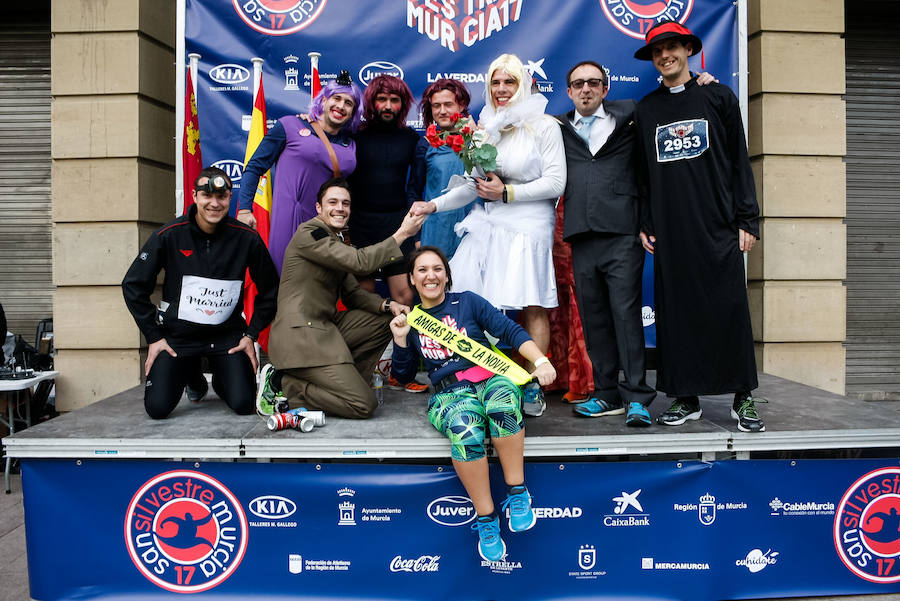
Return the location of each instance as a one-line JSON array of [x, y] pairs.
[[319, 268]]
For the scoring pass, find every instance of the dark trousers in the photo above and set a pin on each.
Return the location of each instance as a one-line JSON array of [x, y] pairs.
[[608, 272], [343, 389], [232, 379]]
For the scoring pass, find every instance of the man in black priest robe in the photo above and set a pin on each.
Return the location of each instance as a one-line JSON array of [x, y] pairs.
[[701, 216]]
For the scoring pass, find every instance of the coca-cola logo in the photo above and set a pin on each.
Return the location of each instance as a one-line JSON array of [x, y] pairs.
[[424, 563]]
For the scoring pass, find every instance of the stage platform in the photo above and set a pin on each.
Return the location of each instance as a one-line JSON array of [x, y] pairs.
[[798, 418]]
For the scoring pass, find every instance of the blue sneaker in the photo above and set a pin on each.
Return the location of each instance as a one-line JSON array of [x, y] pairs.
[[533, 402], [490, 546], [638, 416], [521, 517], [598, 407]]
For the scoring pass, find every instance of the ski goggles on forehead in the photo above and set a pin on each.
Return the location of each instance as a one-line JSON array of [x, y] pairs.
[[215, 184]]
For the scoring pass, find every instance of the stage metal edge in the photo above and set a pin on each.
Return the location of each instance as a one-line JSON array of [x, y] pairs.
[[815, 439], [346, 448], [705, 445], [122, 448]]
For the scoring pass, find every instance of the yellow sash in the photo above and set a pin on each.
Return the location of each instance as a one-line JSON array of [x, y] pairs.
[[451, 339]]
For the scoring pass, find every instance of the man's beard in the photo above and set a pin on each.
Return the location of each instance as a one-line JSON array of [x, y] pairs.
[[387, 116]]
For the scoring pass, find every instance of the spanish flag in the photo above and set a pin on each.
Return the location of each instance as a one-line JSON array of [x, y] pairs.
[[192, 163], [262, 202]]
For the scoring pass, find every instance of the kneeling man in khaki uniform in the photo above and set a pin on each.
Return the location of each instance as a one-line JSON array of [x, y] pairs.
[[324, 358]]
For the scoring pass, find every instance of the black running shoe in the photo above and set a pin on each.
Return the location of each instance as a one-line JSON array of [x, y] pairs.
[[682, 410], [197, 389], [744, 411]]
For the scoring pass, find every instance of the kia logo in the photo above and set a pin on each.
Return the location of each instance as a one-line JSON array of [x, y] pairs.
[[451, 511], [234, 169], [376, 68], [229, 73], [272, 507]]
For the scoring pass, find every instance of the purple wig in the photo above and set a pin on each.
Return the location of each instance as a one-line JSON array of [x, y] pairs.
[[388, 84], [460, 93], [330, 89]]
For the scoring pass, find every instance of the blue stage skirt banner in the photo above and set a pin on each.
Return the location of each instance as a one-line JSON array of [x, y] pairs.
[[689, 531]]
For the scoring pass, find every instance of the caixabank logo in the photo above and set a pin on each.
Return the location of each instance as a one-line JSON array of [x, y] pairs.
[[867, 526], [279, 17], [635, 17], [185, 531]]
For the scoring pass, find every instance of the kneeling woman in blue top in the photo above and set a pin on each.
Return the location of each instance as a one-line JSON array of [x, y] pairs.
[[469, 399]]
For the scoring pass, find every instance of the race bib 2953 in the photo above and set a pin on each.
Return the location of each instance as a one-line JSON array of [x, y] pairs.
[[208, 301], [681, 140]]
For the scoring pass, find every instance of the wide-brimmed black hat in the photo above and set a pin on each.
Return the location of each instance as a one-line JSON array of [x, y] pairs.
[[664, 31]]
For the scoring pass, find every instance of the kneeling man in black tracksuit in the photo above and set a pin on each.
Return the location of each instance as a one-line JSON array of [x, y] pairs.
[[205, 254]]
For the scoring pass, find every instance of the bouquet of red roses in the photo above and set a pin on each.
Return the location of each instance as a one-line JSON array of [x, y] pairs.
[[467, 141]]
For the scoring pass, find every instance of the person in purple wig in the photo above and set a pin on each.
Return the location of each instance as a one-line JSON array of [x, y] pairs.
[[302, 161]]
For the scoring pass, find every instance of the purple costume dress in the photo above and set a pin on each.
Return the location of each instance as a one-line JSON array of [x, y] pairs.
[[303, 165]]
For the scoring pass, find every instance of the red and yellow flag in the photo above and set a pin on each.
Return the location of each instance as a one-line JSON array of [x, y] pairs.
[[262, 201], [191, 161]]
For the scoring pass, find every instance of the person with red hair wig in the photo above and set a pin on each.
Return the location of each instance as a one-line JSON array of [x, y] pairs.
[[442, 100]]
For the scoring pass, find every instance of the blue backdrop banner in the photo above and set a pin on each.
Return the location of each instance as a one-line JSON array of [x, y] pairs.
[[424, 40], [689, 531]]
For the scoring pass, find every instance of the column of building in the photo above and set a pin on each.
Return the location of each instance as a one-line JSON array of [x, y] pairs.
[[797, 140], [113, 178]]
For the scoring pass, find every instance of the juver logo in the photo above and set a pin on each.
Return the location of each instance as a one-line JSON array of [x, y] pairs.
[[185, 531], [635, 17], [867, 526], [451, 511], [372, 70]]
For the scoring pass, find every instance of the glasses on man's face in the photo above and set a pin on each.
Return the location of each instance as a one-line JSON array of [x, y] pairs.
[[577, 84]]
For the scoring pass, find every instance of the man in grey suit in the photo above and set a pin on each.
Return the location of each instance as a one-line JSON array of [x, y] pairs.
[[601, 224], [325, 357]]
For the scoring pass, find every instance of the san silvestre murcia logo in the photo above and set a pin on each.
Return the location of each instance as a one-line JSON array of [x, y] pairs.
[[279, 17], [185, 531], [635, 17]]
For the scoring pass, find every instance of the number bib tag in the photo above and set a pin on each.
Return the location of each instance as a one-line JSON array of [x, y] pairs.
[[681, 140]]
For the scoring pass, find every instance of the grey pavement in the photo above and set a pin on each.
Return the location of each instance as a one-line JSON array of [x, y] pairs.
[[13, 560]]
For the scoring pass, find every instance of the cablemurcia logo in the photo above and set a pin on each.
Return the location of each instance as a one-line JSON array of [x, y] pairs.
[[279, 17], [635, 17], [867, 526], [185, 531]]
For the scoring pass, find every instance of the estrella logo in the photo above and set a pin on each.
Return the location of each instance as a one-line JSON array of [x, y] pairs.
[[635, 17], [279, 17], [867, 526], [185, 531]]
